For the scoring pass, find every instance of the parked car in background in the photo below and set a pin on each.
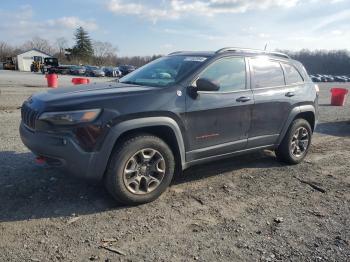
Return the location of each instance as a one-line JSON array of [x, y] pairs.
[[339, 79], [94, 71], [118, 72], [61, 69], [78, 70], [126, 69], [315, 78], [324, 78], [112, 71], [330, 78], [346, 78], [49, 65]]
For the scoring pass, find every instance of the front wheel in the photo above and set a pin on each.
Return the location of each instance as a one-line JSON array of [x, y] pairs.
[[296, 143], [140, 170]]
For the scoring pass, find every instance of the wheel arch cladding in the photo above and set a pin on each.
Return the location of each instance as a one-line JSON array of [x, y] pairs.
[[163, 127], [308, 112], [305, 111], [309, 117]]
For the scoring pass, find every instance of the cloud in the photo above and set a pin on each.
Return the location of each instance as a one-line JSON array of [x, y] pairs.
[[212, 7], [72, 22], [26, 26], [194, 34], [151, 13], [337, 32], [174, 9], [334, 19]]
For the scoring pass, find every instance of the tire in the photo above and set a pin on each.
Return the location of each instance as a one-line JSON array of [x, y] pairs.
[[287, 151], [126, 157]]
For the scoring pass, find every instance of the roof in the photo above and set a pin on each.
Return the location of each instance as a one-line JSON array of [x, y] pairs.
[[34, 49]]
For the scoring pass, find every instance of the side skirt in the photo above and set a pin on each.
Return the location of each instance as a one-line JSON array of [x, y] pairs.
[[227, 155]]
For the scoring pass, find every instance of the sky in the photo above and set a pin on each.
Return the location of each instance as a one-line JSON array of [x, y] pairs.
[[139, 27]]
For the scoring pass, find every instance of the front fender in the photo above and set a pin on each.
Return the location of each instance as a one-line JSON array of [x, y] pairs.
[[149, 122], [100, 161]]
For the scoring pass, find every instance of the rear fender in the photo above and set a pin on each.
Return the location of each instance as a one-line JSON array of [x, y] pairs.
[[295, 111]]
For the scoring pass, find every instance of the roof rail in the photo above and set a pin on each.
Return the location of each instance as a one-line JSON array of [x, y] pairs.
[[177, 52], [249, 50], [278, 54]]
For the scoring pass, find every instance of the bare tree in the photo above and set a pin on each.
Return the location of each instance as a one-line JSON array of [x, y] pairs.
[[6, 50], [62, 44], [40, 44], [104, 53]]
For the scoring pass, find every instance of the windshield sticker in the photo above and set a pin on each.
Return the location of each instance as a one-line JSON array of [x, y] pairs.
[[195, 59]]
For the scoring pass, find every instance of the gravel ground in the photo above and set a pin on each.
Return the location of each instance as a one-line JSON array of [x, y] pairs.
[[248, 208]]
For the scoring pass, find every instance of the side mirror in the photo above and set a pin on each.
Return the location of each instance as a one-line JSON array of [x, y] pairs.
[[204, 84]]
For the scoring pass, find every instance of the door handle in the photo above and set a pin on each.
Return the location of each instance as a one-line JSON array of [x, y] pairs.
[[290, 94], [243, 99]]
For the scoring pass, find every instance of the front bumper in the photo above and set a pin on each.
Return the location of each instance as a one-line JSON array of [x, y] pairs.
[[63, 152]]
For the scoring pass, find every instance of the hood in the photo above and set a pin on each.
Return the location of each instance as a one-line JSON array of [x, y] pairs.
[[81, 94]]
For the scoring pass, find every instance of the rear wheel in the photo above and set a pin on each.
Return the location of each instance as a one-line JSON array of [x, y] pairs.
[[296, 143], [140, 170]]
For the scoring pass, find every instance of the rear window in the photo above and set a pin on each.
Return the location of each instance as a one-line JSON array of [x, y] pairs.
[[292, 75], [266, 73]]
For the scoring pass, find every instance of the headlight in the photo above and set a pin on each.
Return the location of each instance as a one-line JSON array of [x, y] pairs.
[[70, 117]]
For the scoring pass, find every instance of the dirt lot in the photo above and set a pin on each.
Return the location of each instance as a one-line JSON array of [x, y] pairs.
[[248, 208]]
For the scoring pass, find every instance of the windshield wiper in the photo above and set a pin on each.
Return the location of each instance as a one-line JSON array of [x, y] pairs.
[[142, 84]]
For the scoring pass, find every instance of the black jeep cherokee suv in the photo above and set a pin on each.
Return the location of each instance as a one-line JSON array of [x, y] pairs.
[[183, 109]]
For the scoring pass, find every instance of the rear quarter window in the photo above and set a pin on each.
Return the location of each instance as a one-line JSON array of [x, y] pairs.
[[266, 73], [292, 74]]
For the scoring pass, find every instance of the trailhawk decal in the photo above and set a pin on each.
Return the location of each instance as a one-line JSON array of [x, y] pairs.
[[207, 136]]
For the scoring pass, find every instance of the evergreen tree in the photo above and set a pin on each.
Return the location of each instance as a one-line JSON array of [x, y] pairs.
[[83, 50]]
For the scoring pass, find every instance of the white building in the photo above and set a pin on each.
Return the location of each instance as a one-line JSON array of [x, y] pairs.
[[25, 59]]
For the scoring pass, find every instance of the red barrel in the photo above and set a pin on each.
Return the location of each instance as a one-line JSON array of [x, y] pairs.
[[338, 96], [52, 80], [80, 81]]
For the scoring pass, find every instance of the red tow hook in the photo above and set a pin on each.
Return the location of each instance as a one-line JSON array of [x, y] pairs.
[[40, 160]]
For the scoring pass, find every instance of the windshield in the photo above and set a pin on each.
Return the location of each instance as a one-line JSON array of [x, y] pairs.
[[164, 71]]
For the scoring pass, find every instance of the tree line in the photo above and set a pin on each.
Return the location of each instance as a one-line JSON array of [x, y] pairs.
[[88, 51], [85, 51], [334, 62]]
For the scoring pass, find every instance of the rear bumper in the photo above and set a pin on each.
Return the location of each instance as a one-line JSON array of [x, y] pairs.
[[63, 152]]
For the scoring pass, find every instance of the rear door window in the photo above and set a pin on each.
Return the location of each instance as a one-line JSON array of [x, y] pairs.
[[266, 73], [292, 75]]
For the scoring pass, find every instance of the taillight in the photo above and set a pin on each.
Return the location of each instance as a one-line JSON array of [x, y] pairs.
[[317, 88]]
